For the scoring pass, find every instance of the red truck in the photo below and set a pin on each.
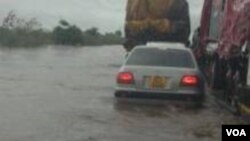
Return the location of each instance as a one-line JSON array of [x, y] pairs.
[[221, 45]]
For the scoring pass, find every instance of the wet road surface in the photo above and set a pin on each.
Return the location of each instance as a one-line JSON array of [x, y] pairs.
[[66, 94]]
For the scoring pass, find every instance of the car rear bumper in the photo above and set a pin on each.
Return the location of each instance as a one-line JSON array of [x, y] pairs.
[[157, 95]]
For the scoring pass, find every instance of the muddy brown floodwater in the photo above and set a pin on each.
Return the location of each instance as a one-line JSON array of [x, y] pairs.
[[66, 94]]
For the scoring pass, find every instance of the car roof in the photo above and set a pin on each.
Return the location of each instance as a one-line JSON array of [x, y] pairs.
[[178, 46]]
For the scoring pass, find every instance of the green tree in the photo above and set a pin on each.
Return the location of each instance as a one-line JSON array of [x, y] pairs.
[[67, 34], [118, 33], [93, 32], [64, 23], [16, 31]]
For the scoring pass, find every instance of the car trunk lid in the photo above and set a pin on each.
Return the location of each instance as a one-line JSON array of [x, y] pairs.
[[158, 78]]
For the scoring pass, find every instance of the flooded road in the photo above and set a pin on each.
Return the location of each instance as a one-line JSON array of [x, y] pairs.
[[66, 94]]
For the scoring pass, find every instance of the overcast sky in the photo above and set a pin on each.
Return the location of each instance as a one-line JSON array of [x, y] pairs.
[[107, 15]]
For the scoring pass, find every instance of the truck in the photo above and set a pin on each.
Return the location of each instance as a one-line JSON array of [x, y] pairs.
[[156, 20], [221, 45]]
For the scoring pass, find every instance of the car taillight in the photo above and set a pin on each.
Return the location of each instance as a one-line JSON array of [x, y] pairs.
[[125, 78], [190, 80]]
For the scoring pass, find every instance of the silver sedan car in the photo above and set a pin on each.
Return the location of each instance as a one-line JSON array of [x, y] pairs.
[[164, 71]]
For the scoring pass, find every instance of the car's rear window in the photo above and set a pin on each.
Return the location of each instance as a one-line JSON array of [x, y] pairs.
[[160, 57]]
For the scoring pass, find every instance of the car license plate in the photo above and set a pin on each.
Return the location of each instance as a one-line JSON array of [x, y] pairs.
[[157, 82]]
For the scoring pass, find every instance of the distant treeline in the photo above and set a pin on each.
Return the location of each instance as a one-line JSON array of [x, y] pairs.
[[15, 32]]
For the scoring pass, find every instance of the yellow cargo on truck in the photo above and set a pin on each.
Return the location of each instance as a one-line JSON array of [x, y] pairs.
[[156, 20]]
